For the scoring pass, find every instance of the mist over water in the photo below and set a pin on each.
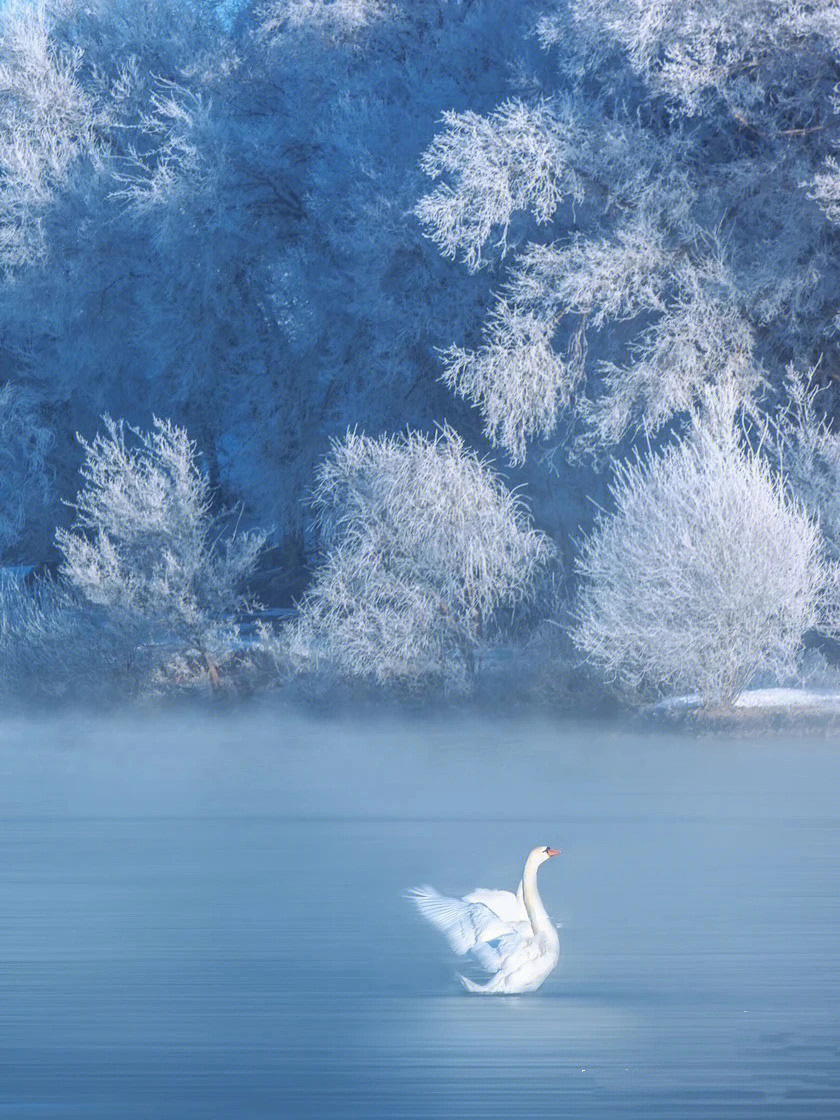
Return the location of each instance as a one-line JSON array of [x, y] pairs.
[[202, 916]]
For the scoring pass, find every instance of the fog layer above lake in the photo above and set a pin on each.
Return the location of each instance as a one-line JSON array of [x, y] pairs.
[[203, 917]]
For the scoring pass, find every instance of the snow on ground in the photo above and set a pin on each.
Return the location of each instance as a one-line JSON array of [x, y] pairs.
[[768, 699]]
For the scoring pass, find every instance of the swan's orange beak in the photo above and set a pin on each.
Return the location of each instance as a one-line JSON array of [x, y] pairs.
[[554, 851]]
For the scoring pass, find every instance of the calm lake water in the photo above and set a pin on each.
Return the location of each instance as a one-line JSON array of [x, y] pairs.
[[204, 918]]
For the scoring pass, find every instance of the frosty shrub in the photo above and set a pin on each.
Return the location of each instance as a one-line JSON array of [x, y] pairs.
[[807, 450], [55, 646], [705, 574], [423, 547], [146, 544]]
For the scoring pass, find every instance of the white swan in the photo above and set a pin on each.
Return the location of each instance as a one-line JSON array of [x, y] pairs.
[[510, 935]]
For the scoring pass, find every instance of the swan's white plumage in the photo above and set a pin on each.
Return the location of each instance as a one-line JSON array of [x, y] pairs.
[[464, 924], [508, 906], [509, 935]]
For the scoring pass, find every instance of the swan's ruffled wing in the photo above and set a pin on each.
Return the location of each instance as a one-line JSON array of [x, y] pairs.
[[465, 924], [498, 954], [507, 905]]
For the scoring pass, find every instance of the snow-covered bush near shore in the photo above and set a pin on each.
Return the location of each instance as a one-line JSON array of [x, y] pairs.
[[148, 547], [54, 645], [424, 547], [705, 574]]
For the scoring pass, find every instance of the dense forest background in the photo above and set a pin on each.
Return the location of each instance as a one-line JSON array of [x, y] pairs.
[[277, 278]]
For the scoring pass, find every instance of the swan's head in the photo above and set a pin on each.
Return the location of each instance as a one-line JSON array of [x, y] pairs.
[[540, 855]]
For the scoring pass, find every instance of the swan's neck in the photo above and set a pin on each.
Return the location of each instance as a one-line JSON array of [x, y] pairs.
[[537, 915]]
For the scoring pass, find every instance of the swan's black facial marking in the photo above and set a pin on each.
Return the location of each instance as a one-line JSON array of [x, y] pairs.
[[547, 850]]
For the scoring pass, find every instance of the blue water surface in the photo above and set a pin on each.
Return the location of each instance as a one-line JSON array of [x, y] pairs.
[[203, 917]]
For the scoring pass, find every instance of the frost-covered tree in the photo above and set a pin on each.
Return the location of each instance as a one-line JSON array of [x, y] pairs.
[[223, 212], [705, 574], [806, 450], [768, 62], [333, 19], [49, 124], [424, 549], [662, 202], [211, 218], [146, 544]]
